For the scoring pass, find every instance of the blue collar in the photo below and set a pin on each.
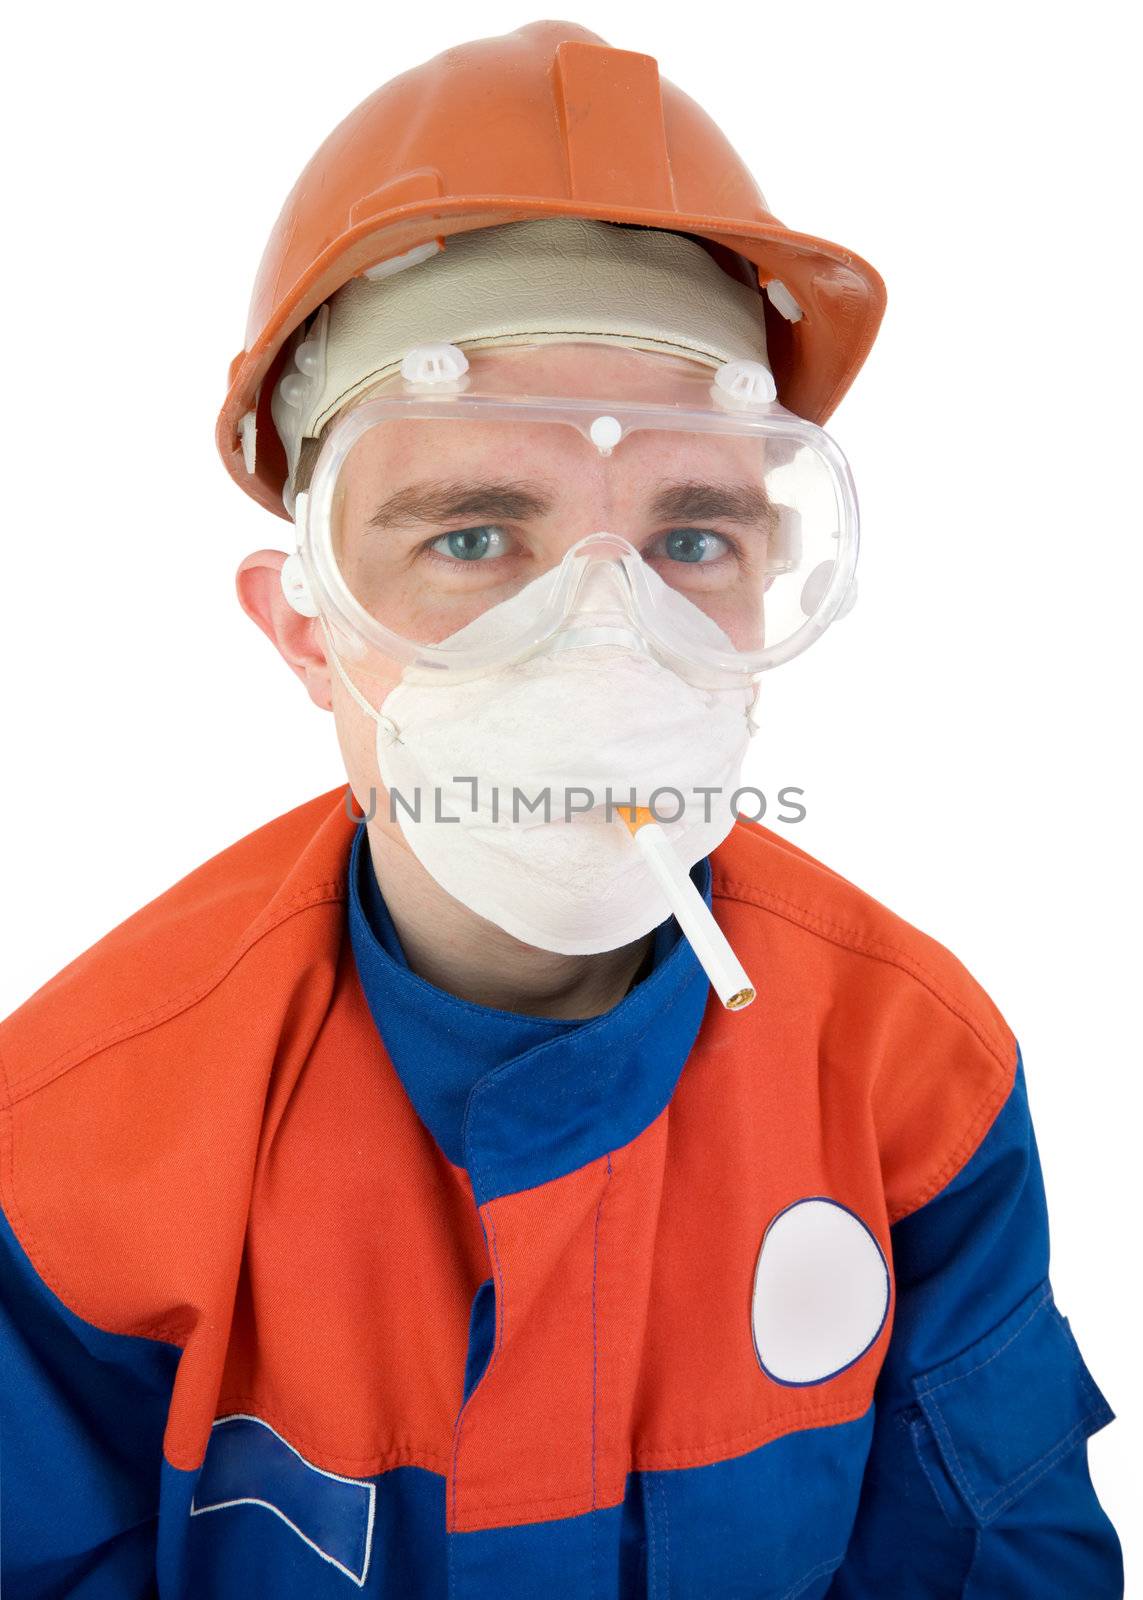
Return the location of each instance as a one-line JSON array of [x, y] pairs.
[[520, 1100]]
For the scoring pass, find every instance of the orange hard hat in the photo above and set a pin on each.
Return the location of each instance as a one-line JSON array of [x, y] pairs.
[[546, 121]]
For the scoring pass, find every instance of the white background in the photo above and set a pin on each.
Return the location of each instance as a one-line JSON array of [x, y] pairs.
[[968, 738]]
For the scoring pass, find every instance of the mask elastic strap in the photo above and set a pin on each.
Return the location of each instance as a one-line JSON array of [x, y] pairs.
[[379, 717]]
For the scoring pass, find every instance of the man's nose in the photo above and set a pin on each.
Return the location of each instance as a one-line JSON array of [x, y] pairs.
[[600, 611]]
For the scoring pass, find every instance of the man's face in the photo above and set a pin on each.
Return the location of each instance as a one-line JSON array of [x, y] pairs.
[[436, 521]]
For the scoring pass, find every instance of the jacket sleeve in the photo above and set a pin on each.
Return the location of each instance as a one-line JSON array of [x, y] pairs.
[[977, 1480], [82, 1413]]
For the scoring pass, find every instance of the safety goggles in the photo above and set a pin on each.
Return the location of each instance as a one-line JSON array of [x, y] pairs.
[[461, 516]]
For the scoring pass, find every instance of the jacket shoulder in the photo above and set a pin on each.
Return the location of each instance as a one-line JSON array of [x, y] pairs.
[[172, 951], [762, 869], [136, 1079], [887, 1004]]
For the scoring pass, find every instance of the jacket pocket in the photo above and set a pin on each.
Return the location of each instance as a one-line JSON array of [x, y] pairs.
[[1000, 1415]]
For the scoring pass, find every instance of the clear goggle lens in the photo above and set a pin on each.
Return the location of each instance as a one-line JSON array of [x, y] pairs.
[[427, 511]]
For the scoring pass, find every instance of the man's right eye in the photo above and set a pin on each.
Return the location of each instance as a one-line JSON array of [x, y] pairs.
[[472, 544]]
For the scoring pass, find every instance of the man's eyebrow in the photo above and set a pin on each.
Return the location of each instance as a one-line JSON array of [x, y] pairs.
[[440, 503], [695, 502], [503, 500]]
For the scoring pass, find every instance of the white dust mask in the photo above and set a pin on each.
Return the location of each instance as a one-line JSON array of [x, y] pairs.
[[516, 756]]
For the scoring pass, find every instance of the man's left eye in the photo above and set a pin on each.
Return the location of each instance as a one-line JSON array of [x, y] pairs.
[[691, 545]]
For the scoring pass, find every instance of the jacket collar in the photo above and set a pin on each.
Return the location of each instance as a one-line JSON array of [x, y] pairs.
[[520, 1100]]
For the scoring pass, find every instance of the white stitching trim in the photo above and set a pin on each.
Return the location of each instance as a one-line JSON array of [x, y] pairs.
[[249, 1500]]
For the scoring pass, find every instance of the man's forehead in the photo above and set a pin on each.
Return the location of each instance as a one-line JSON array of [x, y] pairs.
[[543, 448], [545, 451]]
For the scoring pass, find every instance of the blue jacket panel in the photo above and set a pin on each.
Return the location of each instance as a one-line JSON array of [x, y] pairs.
[[977, 1483]]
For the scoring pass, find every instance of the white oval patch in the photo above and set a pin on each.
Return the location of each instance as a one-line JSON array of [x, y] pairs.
[[821, 1292]]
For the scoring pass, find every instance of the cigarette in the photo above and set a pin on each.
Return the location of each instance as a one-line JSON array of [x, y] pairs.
[[727, 977]]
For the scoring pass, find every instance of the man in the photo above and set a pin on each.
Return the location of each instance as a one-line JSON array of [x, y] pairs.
[[406, 1204]]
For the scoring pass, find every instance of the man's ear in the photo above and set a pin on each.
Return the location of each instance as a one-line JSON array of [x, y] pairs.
[[297, 639]]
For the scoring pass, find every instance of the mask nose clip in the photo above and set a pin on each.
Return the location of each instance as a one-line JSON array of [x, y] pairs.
[[601, 610]]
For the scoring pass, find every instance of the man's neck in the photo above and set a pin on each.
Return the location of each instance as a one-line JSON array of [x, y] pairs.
[[450, 946]]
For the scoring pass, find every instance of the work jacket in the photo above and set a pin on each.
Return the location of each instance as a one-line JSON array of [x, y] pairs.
[[675, 1302]]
